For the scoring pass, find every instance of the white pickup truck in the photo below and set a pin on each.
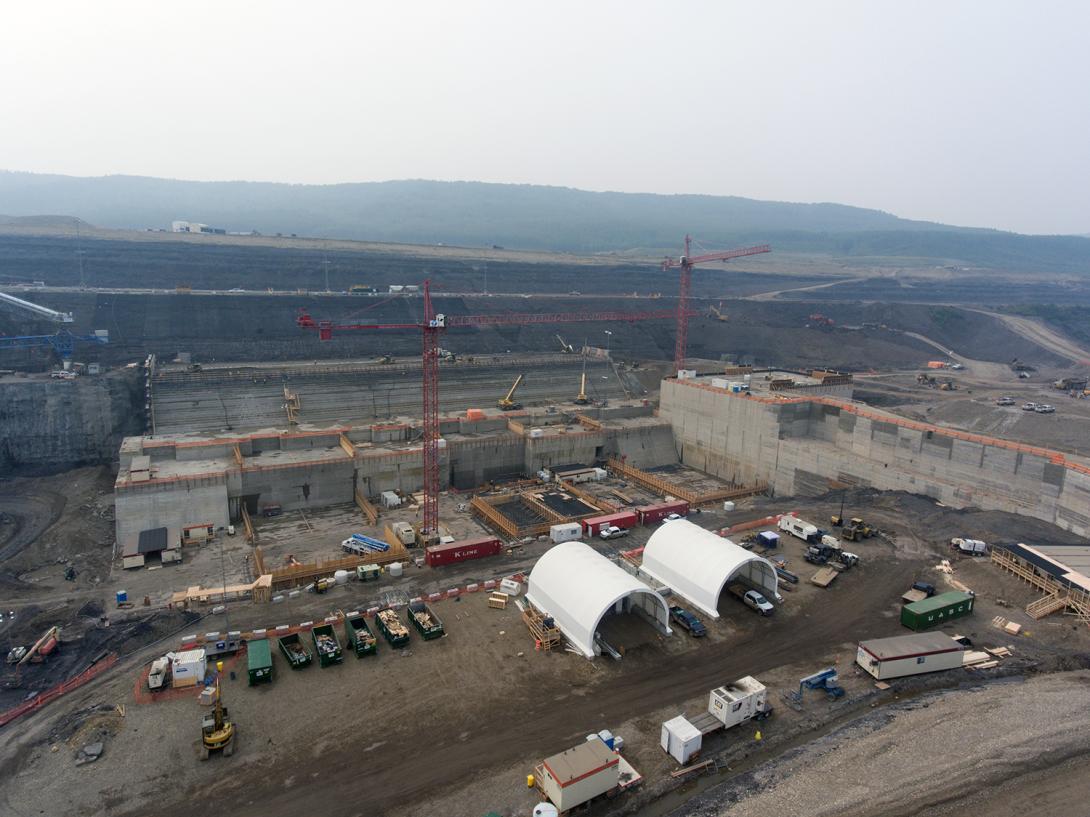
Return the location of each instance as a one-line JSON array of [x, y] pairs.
[[613, 532]]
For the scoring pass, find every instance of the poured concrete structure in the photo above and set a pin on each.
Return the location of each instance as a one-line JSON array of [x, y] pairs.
[[578, 587], [181, 480], [808, 445], [698, 565]]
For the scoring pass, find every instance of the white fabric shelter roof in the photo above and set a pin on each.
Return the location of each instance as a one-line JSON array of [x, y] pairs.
[[697, 565], [577, 586]]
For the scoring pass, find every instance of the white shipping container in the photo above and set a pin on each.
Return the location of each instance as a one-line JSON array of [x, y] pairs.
[[680, 739], [536, 432], [189, 668], [686, 374], [565, 532], [720, 383], [390, 500], [600, 474]]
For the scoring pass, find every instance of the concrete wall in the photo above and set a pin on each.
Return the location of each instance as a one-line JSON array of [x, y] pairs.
[[146, 507], [809, 447]]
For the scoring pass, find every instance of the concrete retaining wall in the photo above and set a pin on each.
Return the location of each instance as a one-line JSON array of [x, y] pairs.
[[811, 446]]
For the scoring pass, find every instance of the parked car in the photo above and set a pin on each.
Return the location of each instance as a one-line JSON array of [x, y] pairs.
[[1005, 401], [1044, 408], [688, 621], [672, 516], [1029, 407], [758, 602], [613, 532], [924, 587]]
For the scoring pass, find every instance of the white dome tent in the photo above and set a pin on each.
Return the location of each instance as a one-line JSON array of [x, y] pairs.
[[577, 587], [698, 565]]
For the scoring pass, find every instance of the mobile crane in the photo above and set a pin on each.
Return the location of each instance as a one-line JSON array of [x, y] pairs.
[[508, 403]]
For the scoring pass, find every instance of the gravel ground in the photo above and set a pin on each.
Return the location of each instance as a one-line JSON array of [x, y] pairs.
[[922, 757]]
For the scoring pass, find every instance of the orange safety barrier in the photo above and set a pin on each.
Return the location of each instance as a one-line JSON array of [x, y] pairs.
[[52, 694]]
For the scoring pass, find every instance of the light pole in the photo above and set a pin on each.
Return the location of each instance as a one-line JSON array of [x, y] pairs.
[[608, 334]]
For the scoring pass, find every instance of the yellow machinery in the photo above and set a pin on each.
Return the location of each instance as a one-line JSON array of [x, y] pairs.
[[217, 729], [718, 314], [508, 403], [582, 400]]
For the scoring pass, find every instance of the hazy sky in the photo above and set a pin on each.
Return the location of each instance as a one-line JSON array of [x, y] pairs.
[[972, 113]]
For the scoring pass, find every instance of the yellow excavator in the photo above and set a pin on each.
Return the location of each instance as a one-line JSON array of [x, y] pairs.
[[508, 403], [217, 729], [719, 314]]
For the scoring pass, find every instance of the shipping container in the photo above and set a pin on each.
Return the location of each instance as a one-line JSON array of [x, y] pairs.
[[919, 615], [462, 551], [259, 661], [622, 519], [189, 668], [905, 655], [650, 514]]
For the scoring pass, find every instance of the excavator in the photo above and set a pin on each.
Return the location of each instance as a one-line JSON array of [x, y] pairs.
[[508, 403], [217, 729], [719, 314]]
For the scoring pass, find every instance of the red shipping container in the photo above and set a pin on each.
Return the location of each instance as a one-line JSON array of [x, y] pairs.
[[650, 514], [466, 549], [621, 519]]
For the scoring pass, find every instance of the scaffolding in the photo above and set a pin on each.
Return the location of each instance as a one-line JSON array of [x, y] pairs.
[[1058, 596]]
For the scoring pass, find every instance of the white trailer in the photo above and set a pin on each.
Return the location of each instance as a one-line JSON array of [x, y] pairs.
[[732, 704], [800, 528], [159, 675], [566, 532], [903, 655]]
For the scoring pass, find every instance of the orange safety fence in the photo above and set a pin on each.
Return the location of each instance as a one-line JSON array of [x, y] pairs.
[[52, 694]]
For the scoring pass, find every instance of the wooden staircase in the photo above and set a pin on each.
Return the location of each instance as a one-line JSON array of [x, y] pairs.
[[1046, 606]]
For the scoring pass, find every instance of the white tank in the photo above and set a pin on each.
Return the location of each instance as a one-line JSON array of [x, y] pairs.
[[545, 810], [394, 569], [341, 577]]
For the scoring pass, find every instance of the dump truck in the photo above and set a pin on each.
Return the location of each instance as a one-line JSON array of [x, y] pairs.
[[358, 635], [424, 619], [326, 645], [292, 648], [259, 661], [395, 633]]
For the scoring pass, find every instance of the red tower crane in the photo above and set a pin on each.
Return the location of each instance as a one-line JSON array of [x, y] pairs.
[[686, 264], [431, 327]]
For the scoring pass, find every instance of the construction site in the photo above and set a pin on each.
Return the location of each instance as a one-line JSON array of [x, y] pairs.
[[441, 553]]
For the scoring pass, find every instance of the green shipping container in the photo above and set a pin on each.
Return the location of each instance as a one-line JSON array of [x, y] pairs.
[[920, 615], [259, 659]]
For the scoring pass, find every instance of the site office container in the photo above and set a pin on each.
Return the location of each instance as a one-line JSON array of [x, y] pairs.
[[919, 615], [462, 551], [905, 655], [650, 514], [621, 519], [259, 661]]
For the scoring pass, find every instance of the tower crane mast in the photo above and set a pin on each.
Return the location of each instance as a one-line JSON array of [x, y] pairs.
[[431, 327], [686, 264]]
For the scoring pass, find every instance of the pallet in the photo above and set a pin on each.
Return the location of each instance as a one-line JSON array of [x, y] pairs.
[[498, 601]]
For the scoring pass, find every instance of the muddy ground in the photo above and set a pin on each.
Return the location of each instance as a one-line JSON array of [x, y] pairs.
[[452, 726]]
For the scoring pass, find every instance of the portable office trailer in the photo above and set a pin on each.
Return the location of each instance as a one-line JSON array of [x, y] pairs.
[[566, 532], [903, 655], [580, 774], [930, 612]]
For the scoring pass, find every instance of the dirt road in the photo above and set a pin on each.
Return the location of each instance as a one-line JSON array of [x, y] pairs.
[[1042, 336]]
